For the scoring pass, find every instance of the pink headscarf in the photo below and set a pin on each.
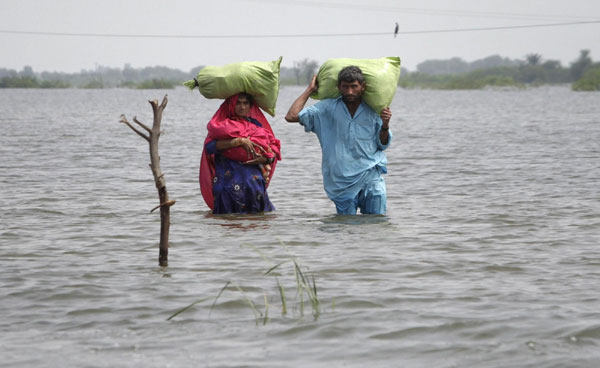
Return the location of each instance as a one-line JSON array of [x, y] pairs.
[[225, 125]]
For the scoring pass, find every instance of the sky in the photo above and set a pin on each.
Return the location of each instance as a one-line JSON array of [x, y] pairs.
[[74, 35]]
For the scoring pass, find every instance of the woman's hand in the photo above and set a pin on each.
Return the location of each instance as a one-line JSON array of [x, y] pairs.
[[246, 144], [264, 165], [257, 160]]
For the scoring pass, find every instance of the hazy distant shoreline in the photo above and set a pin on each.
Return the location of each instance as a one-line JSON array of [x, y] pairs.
[[583, 74]]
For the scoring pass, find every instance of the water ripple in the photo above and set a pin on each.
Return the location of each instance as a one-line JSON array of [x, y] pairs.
[[487, 256]]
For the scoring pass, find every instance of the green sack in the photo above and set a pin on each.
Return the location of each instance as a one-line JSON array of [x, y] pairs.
[[381, 77], [258, 78]]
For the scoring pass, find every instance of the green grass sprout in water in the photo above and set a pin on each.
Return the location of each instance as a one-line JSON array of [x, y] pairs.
[[306, 294]]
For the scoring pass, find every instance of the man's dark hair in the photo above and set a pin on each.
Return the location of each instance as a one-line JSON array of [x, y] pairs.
[[350, 74]]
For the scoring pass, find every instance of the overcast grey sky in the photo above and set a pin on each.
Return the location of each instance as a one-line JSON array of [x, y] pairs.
[[288, 19]]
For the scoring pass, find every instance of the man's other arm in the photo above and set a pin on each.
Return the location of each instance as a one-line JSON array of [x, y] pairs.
[[298, 105], [386, 115]]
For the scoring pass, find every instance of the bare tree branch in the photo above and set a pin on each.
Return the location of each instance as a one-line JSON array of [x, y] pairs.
[[142, 124], [155, 106], [167, 203], [124, 121], [164, 102]]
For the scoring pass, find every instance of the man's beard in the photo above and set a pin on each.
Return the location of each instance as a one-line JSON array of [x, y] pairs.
[[350, 98]]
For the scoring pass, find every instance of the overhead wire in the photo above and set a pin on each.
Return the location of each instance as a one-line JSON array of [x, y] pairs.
[[423, 11], [298, 35]]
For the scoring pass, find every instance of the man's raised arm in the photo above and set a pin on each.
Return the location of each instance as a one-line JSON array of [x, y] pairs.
[[298, 105]]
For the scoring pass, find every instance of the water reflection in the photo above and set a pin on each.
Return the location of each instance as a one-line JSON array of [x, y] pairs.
[[243, 221], [355, 219]]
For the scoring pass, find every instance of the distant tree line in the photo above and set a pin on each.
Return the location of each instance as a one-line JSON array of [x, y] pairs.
[[454, 73], [101, 77], [129, 77], [457, 65], [583, 74]]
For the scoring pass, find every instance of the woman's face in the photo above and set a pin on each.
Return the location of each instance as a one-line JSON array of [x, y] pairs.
[[242, 107]]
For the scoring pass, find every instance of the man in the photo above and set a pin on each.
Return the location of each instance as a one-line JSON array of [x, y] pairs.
[[353, 138]]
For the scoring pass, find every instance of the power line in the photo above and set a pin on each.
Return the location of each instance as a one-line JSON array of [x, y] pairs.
[[438, 12], [315, 35], [500, 27]]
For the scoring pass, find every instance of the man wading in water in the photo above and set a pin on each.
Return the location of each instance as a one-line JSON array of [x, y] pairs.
[[353, 138]]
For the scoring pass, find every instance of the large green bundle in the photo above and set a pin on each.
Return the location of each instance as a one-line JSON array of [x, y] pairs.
[[258, 78], [381, 77]]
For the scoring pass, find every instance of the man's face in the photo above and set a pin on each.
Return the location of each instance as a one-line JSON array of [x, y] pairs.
[[242, 107], [351, 91]]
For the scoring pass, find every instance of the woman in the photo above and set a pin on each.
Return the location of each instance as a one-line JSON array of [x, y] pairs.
[[239, 158]]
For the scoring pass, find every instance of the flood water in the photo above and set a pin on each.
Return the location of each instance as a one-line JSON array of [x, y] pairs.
[[489, 255]]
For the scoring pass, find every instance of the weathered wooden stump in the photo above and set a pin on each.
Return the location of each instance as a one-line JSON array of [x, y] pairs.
[[159, 178]]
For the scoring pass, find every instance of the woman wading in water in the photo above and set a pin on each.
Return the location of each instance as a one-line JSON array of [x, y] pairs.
[[239, 158]]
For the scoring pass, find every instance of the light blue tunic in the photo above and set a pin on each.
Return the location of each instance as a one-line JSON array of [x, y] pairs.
[[350, 145]]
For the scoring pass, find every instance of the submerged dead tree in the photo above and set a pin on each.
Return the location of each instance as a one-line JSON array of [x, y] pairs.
[[159, 178]]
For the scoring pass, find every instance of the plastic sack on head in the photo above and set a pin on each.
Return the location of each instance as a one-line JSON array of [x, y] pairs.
[[381, 76], [258, 78]]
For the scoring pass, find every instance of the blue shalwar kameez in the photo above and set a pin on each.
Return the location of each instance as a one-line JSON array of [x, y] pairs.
[[352, 154]]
